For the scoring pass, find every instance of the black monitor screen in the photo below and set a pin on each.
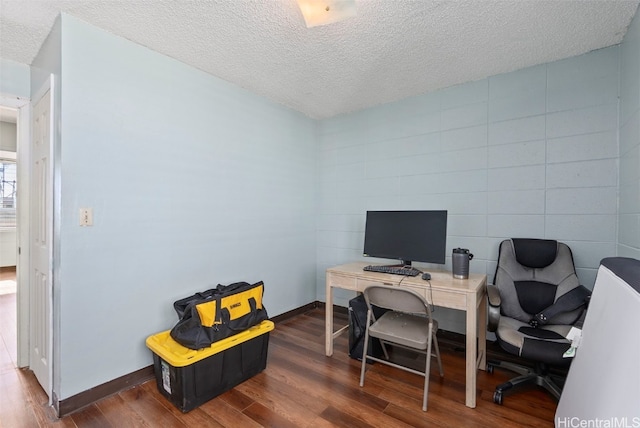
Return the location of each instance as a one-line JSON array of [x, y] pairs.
[[419, 236]]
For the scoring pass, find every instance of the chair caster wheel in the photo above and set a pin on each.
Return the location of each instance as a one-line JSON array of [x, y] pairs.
[[497, 397], [490, 368]]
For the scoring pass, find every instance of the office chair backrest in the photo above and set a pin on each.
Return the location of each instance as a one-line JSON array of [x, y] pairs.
[[396, 299], [531, 275]]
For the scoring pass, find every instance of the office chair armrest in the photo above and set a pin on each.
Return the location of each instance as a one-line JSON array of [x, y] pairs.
[[493, 296]]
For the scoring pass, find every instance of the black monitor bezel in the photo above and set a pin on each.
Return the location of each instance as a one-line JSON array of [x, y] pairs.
[[436, 255]]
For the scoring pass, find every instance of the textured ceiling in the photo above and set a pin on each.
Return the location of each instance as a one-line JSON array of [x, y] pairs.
[[391, 50]]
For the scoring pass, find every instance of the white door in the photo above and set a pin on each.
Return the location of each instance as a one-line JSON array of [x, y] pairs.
[[41, 214]]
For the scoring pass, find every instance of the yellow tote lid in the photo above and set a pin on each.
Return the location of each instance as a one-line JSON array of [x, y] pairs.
[[177, 355]]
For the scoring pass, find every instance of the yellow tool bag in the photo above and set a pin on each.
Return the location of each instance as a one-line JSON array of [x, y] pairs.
[[218, 313]]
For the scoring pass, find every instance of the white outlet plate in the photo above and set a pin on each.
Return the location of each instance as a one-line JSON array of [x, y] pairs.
[[86, 216]]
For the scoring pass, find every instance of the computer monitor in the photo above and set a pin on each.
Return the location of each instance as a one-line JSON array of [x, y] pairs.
[[408, 236]]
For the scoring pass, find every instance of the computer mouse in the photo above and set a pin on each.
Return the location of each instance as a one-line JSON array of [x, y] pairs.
[[426, 276]]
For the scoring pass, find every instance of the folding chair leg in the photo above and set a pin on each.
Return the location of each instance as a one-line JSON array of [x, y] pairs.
[[427, 371], [384, 350], [365, 348], [435, 344]]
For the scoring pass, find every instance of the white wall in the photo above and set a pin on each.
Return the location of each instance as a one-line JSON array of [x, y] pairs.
[[8, 246], [14, 78], [8, 136], [532, 153], [629, 205], [193, 182]]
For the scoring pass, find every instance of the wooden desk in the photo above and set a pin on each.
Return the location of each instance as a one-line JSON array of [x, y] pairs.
[[467, 295]]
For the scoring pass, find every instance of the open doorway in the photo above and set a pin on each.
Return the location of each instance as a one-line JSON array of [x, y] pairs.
[[16, 110], [8, 237], [34, 227], [33, 299]]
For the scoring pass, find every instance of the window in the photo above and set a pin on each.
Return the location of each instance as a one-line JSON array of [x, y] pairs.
[[8, 188]]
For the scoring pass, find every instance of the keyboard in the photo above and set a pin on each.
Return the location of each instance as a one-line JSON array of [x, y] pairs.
[[395, 270]]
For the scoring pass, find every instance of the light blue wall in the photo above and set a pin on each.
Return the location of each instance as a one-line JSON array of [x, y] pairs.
[[532, 153], [629, 208], [193, 182], [14, 78]]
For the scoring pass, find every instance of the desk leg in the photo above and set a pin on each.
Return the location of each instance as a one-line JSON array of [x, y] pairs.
[[472, 354], [328, 322], [482, 333]]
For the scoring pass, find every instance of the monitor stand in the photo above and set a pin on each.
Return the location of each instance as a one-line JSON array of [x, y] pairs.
[[398, 265]]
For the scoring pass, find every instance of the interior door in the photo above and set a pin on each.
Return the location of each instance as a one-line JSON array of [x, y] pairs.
[[41, 214]]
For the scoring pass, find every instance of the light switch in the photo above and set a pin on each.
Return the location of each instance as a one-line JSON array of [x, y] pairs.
[[86, 216]]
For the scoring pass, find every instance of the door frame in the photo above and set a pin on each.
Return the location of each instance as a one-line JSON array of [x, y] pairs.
[[23, 150]]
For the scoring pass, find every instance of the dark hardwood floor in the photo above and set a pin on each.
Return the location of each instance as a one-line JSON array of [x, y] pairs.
[[300, 387]]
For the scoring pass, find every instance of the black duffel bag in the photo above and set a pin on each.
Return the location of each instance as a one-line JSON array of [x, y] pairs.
[[218, 313], [357, 326]]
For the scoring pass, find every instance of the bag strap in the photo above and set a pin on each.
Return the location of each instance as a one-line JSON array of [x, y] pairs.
[[229, 289], [218, 319], [180, 306], [568, 302]]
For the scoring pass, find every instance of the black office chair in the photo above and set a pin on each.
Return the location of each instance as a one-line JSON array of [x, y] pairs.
[[534, 302]]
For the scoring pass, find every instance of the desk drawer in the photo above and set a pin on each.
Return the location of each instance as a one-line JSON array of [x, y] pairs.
[[364, 283], [346, 282], [442, 298], [352, 283], [449, 300]]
